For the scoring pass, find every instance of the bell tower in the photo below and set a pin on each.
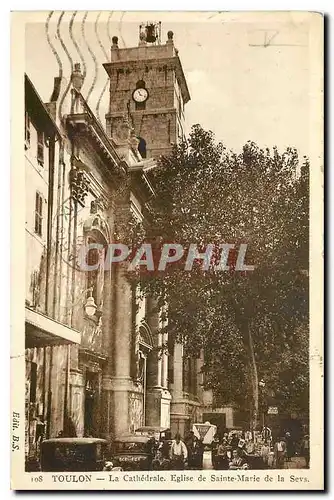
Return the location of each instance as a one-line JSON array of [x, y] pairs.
[[148, 86]]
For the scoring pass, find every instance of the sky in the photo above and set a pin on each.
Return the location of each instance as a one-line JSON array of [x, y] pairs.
[[248, 74]]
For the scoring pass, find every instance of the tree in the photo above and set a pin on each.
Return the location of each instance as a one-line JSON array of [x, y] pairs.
[[206, 194]]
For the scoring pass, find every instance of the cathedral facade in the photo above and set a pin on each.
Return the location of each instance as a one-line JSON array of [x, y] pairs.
[[94, 365]]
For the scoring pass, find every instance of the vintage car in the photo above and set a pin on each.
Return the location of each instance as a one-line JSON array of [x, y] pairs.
[[73, 454], [133, 452]]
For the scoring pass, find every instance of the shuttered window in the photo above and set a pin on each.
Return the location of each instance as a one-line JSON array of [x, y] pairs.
[[38, 214], [40, 147], [27, 130]]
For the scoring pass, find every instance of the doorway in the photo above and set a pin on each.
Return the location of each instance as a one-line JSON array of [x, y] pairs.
[[91, 400]]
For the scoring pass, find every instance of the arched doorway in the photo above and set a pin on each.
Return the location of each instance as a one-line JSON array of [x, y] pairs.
[[92, 352]]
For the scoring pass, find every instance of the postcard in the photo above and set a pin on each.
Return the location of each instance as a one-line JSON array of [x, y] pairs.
[[167, 292]]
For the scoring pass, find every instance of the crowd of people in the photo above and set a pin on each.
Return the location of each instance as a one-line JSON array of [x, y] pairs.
[[285, 448], [230, 451], [177, 454], [235, 451]]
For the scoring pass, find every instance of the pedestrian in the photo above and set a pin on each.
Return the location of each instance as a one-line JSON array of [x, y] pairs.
[[222, 455], [178, 453], [214, 449], [234, 441], [199, 452], [250, 447], [305, 449], [243, 451], [290, 448], [190, 444], [265, 450], [279, 453], [164, 447]]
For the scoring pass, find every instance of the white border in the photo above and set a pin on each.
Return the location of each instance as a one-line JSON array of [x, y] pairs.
[[324, 6]]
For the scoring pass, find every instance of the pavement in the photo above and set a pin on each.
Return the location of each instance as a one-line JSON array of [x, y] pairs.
[[295, 463], [207, 460]]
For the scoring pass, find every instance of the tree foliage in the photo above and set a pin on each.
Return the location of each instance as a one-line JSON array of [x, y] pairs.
[[246, 322]]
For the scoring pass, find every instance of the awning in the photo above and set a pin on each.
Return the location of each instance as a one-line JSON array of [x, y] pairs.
[[42, 331]]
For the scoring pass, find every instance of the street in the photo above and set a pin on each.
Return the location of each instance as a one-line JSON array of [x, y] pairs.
[[295, 463]]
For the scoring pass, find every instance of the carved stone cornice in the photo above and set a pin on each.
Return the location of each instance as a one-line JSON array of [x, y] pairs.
[[82, 121], [79, 185]]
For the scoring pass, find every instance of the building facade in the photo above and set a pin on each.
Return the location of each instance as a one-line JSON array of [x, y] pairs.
[[94, 365], [155, 70]]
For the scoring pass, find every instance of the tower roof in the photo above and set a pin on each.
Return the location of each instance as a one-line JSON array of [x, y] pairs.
[[155, 54]]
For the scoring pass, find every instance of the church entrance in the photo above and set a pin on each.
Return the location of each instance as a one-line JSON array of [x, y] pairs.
[[91, 403]]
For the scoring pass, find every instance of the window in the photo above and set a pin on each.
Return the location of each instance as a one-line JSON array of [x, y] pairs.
[[38, 214], [33, 382], [142, 147], [27, 130], [40, 147]]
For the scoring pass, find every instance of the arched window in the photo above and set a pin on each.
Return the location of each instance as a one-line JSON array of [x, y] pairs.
[[95, 279], [96, 232], [142, 147]]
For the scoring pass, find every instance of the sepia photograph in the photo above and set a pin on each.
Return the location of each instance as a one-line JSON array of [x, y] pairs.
[[171, 283]]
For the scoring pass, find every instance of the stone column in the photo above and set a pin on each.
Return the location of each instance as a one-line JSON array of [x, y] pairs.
[[153, 394], [159, 363], [178, 371], [164, 364], [158, 396], [121, 383], [154, 362], [106, 429]]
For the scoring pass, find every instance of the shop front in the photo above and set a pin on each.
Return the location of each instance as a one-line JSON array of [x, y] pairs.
[[47, 357]]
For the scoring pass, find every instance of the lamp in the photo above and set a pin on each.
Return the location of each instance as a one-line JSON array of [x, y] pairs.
[[90, 306]]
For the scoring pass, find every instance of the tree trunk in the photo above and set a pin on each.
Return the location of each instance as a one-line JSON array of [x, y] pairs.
[[254, 381]]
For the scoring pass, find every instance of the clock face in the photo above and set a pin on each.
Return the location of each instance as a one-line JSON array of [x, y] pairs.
[[140, 95]]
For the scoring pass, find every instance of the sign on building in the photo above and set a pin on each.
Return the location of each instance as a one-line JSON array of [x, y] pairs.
[[272, 410], [205, 431]]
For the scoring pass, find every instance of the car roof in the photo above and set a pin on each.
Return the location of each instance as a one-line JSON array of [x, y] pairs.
[[148, 428], [132, 439], [68, 440]]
